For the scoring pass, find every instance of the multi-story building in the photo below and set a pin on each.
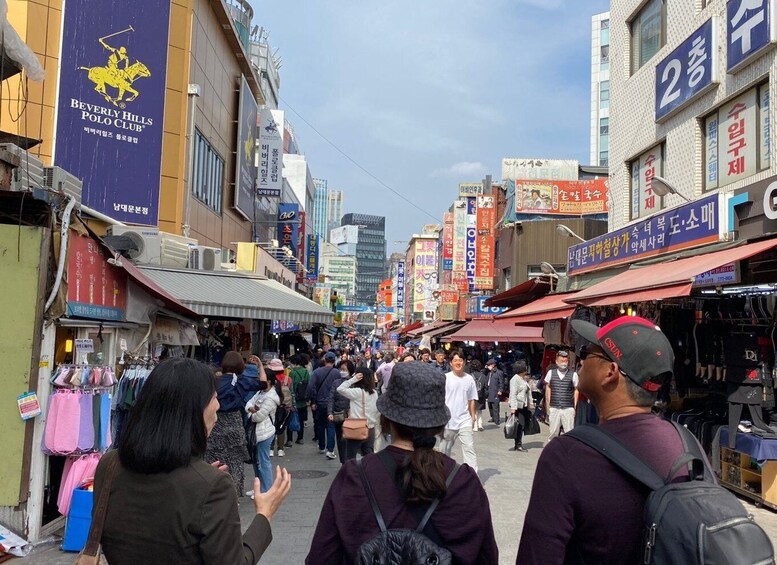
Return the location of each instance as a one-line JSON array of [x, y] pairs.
[[334, 209], [338, 271], [370, 254], [600, 89], [320, 208]]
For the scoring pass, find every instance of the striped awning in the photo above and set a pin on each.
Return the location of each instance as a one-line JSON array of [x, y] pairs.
[[237, 295]]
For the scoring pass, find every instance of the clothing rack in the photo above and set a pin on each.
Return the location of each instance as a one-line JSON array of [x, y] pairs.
[[83, 376]]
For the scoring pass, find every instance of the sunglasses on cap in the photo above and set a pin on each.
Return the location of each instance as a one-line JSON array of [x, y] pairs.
[[585, 353]]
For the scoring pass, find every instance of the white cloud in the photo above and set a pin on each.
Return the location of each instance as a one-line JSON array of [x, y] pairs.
[[463, 170]]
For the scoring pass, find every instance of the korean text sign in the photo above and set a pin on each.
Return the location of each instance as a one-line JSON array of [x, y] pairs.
[[551, 197], [95, 288], [288, 226], [400, 284], [111, 104], [691, 225], [312, 262], [424, 274], [750, 28], [472, 233], [476, 308], [245, 165], [688, 71], [460, 235], [447, 242], [270, 179], [484, 246]]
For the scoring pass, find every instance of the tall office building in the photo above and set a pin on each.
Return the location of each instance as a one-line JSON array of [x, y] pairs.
[[370, 254], [334, 210], [320, 208], [600, 89]]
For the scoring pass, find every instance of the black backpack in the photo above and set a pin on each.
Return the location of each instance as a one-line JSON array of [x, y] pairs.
[[697, 521], [408, 547], [301, 390], [281, 419]]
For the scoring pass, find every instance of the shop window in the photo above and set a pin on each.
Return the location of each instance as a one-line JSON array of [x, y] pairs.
[[648, 165], [737, 141], [648, 32], [208, 176]]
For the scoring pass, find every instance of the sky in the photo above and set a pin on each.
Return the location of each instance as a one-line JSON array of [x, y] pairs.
[[422, 95]]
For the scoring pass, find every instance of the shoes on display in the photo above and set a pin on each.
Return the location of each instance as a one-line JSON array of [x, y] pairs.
[[281, 453], [330, 455]]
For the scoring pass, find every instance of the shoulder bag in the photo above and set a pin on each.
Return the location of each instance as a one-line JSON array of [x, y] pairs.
[[357, 428], [92, 552]]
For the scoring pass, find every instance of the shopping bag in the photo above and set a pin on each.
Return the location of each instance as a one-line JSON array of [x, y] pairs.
[[294, 425], [509, 428], [532, 426]]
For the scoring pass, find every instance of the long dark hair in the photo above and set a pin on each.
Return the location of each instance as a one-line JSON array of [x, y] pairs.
[[368, 382], [165, 429], [272, 378], [422, 473]]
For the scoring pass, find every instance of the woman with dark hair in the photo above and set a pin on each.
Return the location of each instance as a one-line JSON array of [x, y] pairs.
[[408, 357], [338, 407], [227, 443], [406, 478], [167, 505], [360, 391], [262, 408], [284, 438], [521, 403]]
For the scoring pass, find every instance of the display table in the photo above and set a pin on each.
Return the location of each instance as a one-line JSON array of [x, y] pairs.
[[751, 468]]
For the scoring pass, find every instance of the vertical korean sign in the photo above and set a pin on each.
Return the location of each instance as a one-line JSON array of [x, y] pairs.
[[270, 179], [484, 248], [111, 104], [737, 138], [750, 28], [447, 242], [300, 255], [400, 285], [471, 240], [644, 201], [312, 262], [245, 165], [425, 274], [459, 238], [288, 226], [95, 289]]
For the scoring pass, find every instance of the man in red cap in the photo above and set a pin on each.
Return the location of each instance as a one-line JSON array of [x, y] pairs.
[[583, 508]]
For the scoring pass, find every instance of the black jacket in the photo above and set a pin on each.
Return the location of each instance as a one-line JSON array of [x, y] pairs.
[[337, 402], [496, 384]]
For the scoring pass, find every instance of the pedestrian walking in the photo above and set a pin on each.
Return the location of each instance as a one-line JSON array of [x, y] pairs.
[[383, 374], [318, 394], [262, 409], [598, 516], [520, 402], [359, 389], [165, 503], [283, 438], [369, 361], [227, 443], [460, 397], [338, 407], [495, 386], [405, 479], [300, 379], [561, 396], [440, 362], [481, 380]]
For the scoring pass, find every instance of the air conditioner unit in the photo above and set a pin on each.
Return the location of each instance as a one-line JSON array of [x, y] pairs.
[[29, 173], [174, 250], [205, 258], [146, 240], [62, 182]]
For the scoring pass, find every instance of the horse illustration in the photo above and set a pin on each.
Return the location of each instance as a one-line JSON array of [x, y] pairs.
[[120, 79]]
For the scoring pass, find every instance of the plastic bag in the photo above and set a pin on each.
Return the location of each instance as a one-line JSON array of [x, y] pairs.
[[294, 424], [509, 428]]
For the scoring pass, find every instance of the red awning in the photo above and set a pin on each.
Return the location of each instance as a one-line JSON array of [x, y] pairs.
[[448, 327], [496, 330], [152, 288], [426, 328], [519, 295], [663, 280], [550, 307], [411, 327]]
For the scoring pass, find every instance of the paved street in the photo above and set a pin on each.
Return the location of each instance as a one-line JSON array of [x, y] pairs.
[[507, 477]]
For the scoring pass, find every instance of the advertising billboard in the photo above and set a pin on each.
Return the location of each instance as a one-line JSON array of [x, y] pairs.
[[344, 234], [551, 197], [472, 232], [467, 189], [95, 289], [270, 177], [447, 242], [534, 169], [312, 257], [245, 166], [400, 285], [484, 247], [322, 295], [111, 103], [425, 274], [288, 226], [750, 28], [460, 236]]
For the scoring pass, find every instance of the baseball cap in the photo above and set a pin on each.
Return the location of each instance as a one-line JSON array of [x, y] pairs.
[[331, 357], [637, 345]]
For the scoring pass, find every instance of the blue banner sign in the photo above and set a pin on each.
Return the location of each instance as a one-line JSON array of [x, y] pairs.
[[360, 308], [111, 104], [472, 235], [476, 308], [688, 71], [282, 326], [400, 285], [749, 30], [694, 224], [288, 226], [312, 257]]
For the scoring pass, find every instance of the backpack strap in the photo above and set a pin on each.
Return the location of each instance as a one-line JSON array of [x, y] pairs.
[[614, 450], [371, 496], [694, 458]]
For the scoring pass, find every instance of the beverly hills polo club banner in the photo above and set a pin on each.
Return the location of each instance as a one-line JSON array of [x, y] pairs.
[[111, 104]]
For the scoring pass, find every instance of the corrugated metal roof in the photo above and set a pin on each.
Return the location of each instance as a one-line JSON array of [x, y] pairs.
[[232, 295]]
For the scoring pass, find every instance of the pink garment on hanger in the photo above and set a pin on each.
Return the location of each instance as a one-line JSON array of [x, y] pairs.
[[81, 469], [67, 424], [52, 414]]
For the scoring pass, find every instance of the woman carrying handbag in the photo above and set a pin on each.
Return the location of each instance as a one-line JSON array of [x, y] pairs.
[[520, 402], [360, 390]]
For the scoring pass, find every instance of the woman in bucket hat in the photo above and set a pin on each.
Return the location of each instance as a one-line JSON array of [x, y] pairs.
[[406, 478]]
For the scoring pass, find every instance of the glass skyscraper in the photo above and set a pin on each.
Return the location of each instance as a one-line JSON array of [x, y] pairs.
[[320, 208], [370, 255]]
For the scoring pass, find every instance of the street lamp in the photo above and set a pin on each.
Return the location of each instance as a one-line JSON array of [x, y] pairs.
[[548, 269], [661, 187], [561, 229]]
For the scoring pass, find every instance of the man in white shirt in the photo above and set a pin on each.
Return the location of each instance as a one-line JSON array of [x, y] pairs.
[[461, 395], [561, 395]]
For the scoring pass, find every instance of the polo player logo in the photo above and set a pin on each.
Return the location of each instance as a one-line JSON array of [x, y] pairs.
[[271, 127], [118, 74]]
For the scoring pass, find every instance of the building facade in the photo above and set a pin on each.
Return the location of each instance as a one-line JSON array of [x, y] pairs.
[[600, 89], [706, 132], [370, 254], [320, 208], [334, 209], [338, 271]]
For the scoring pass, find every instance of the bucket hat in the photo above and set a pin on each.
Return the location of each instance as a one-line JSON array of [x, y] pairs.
[[275, 365], [415, 396]]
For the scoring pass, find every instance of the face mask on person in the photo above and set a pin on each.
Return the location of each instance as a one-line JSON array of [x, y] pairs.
[[562, 365], [344, 373]]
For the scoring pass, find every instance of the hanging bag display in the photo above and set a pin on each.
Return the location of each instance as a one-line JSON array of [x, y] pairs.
[[357, 429]]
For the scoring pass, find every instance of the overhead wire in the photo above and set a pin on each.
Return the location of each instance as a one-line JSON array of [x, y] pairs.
[[357, 164]]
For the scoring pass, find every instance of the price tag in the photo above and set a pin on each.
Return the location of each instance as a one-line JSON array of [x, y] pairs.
[[84, 345]]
